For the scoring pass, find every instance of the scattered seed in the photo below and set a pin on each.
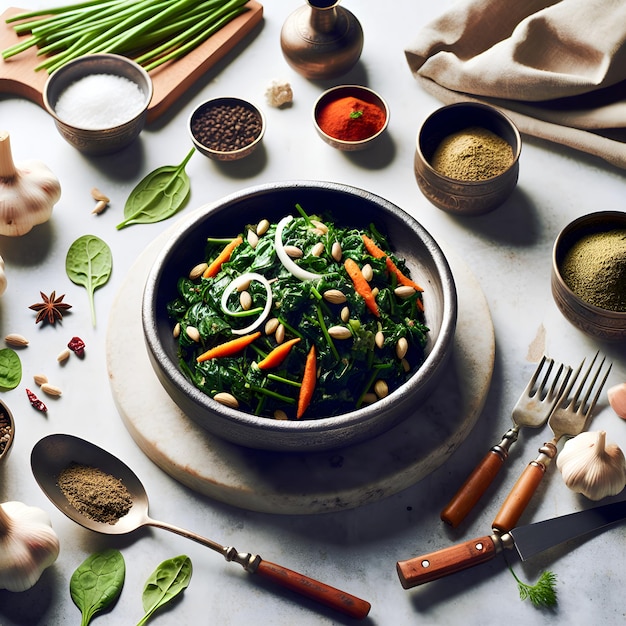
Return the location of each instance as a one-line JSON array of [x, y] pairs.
[[96, 194], [279, 414], [262, 227], [176, 331], [379, 339], [368, 272], [339, 332], [381, 389], [293, 251], [345, 314], [271, 325], [193, 333], [279, 335], [40, 379], [226, 399], [244, 285], [51, 390], [245, 300], [317, 249], [404, 291], [320, 226], [15, 340], [253, 238], [370, 398], [336, 252], [334, 296], [64, 355], [100, 207], [197, 271], [402, 347], [406, 366]]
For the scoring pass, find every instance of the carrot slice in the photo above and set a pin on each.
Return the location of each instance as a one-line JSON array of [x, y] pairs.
[[372, 248], [309, 378], [402, 279], [361, 286], [222, 257], [228, 348], [278, 354]]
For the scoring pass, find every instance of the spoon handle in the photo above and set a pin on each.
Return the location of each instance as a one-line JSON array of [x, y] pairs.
[[320, 592]]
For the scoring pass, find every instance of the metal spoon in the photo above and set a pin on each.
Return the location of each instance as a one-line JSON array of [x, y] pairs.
[[52, 454]]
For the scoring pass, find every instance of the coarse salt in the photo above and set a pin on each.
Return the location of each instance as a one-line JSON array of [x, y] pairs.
[[100, 101]]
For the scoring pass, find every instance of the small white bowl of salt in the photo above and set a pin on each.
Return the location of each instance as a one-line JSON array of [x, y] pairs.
[[99, 102]]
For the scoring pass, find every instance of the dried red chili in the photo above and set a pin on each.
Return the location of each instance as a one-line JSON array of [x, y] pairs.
[[36, 402], [77, 346], [350, 119]]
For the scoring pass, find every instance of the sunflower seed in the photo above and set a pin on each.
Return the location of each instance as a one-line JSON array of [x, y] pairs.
[[226, 399], [334, 296], [339, 332]]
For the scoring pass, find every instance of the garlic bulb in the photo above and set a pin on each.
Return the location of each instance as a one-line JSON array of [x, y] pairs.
[[28, 545], [617, 399], [591, 467], [28, 191], [3, 277]]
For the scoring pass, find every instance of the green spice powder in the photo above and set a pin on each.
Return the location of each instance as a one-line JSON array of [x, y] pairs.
[[595, 269], [472, 154]]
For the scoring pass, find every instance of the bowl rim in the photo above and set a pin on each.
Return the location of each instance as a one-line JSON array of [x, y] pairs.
[[567, 230], [359, 88], [488, 109], [436, 356], [97, 56], [233, 99]]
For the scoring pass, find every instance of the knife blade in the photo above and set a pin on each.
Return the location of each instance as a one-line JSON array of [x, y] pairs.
[[528, 540]]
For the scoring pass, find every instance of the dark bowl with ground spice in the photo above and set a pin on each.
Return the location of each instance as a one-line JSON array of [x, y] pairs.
[[350, 117], [589, 274], [7, 431], [467, 158], [226, 129]]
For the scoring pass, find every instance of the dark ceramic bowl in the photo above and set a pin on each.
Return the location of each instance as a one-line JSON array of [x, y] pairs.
[[594, 321], [462, 197], [101, 140], [219, 154], [348, 206], [6, 419], [347, 91]]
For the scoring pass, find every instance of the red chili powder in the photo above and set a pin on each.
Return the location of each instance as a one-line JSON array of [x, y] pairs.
[[350, 119]]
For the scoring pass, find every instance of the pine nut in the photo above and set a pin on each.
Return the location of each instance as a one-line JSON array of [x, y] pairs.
[[245, 300], [317, 249], [64, 355], [197, 270], [226, 399], [334, 296], [15, 340], [253, 239], [176, 331], [280, 415], [40, 379], [404, 291], [320, 226], [345, 314], [370, 398], [368, 272], [293, 251], [51, 390], [193, 333], [381, 389], [339, 332], [271, 325], [379, 339], [279, 335], [262, 227], [402, 347], [336, 252]]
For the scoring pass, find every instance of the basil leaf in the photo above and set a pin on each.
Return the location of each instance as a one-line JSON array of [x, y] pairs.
[[10, 369], [89, 263], [168, 580], [158, 196], [97, 582]]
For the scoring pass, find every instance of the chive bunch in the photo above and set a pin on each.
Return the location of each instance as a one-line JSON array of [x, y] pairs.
[[151, 32]]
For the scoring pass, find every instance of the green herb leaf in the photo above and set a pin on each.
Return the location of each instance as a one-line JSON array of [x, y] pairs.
[[97, 582], [10, 369], [167, 581], [542, 593], [355, 115], [89, 263], [158, 195]]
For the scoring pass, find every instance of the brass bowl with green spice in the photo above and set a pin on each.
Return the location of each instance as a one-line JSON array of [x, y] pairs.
[[589, 274]]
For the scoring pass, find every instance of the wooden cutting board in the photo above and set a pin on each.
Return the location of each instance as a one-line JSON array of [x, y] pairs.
[[18, 76]]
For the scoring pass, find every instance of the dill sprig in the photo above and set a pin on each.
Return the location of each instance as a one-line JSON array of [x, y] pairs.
[[542, 593]]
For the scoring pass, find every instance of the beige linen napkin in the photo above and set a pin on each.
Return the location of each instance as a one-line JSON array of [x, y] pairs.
[[557, 68]]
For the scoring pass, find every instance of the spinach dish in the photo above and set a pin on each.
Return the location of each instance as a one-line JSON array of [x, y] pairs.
[[301, 319]]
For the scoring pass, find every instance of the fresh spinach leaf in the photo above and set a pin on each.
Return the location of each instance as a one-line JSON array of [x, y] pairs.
[[10, 369], [158, 195], [89, 263], [97, 582], [167, 581]]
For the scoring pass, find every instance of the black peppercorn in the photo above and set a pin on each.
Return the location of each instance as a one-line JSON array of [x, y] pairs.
[[226, 127]]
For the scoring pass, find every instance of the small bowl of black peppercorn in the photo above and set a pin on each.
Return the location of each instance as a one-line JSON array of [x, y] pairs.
[[226, 128], [589, 274], [7, 431]]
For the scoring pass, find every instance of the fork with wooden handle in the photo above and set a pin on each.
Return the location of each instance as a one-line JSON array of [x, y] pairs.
[[532, 410], [569, 418]]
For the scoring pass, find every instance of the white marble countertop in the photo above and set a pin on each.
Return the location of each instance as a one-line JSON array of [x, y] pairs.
[[508, 251]]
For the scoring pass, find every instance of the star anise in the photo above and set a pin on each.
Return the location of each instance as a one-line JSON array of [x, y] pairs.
[[50, 309]]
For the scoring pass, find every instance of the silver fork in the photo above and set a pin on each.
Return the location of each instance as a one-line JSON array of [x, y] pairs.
[[570, 417], [532, 410]]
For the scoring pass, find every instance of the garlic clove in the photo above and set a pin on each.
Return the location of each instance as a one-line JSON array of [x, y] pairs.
[[592, 467], [617, 399]]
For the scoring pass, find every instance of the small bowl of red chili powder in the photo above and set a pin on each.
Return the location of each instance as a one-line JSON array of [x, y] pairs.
[[350, 117], [226, 129]]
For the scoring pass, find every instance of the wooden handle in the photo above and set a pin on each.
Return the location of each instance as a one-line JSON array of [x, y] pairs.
[[423, 569], [329, 596], [519, 497], [472, 489]]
